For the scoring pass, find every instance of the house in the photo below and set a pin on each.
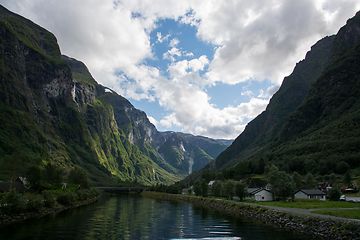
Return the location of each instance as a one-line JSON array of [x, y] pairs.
[[323, 186], [310, 194], [347, 190], [260, 194], [189, 190], [211, 183], [7, 186]]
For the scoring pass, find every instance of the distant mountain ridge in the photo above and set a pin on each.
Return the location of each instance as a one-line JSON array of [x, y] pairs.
[[53, 111]]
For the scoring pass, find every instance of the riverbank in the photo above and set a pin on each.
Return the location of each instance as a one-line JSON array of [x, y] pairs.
[[6, 219], [324, 227]]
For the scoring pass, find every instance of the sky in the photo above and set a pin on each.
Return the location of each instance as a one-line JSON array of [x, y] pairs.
[[205, 67]]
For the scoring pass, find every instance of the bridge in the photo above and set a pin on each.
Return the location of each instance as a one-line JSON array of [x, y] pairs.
[[122, 189]]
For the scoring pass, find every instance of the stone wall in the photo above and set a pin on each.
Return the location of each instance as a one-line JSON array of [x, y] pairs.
[[322, 227]]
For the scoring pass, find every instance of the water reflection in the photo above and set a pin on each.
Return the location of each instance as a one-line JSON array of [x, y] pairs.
[[135, 217]]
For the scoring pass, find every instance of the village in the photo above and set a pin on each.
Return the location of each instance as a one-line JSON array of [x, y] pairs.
[[260, 190]]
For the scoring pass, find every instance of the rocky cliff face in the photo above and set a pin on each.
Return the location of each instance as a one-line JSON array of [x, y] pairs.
[[182, 154], [54, 111]]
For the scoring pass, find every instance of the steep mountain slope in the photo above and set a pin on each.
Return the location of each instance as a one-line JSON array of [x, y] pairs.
[[213, 147], [264, 128], [325, 130], [50, 115], [323, 134], [53, 111], [182, 154]]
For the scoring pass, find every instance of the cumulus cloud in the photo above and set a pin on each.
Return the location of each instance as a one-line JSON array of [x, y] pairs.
[[160, 38], [255, 40]]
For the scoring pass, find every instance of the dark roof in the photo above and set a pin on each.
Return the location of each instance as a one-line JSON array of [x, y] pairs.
[[311, 192], [7, 186], [259, 190]]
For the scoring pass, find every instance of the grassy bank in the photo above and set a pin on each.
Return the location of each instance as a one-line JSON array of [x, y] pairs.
[[309, 204], [345, 213], [15, 207]]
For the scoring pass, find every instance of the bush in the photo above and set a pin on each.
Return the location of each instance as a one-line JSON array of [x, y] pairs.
[[35, 203], [334, 194], [13, 203], [95, 192], [49, 198], [67, 198]]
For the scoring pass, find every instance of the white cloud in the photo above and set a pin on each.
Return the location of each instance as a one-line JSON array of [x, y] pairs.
[[247, 93], [174, 42], [255, 40], [160, 38], [153, 121], [171, 53]]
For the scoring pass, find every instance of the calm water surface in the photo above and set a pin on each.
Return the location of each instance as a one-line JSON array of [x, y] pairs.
[[136, 217]]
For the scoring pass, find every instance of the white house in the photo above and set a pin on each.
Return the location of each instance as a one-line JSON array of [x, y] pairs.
[[310, 194], [261, 194]]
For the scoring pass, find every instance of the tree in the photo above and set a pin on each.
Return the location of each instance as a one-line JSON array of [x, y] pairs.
[[272, 178], [334, 194], [197, 187], [342, 167], [207, 175], [309, 181], [285, 186], [34, 177], [297, 180], [78, 176], [260, 166], [216, 189], [347, 179], [229, 189], [204, 188], [241, 191], [281, 183], [332, 179], [310, 165], [52, 174]]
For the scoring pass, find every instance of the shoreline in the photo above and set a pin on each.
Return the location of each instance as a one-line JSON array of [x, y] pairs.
[[10, 219], [322, 227]]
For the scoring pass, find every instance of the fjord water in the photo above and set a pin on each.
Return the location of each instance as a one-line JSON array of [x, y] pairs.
[[135, 217]]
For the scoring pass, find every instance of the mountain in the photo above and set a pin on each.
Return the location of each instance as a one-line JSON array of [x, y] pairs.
[[311, 124], [188, 152], [265, 127], [54, 111]]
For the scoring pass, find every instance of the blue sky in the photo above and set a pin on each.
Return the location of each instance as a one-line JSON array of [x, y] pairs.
[[198, 66]]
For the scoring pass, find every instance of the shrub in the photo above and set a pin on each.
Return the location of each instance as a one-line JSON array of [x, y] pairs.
[[49, 198], [67, 198], [95, 192], [35, 203], [13, 203]]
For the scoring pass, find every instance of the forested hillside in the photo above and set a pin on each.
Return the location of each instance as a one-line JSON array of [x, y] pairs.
[[312, 123]]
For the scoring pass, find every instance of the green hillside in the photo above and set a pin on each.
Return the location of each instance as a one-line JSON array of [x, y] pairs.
[[312, 123], [53, 111], [322, 136]]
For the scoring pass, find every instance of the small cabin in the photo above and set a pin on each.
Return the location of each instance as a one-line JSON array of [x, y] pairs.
[[310, 194], [261, 194]]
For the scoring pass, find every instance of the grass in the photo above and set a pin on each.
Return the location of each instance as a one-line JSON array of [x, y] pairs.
[[310, 204], [345, 213], [352, 194]]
